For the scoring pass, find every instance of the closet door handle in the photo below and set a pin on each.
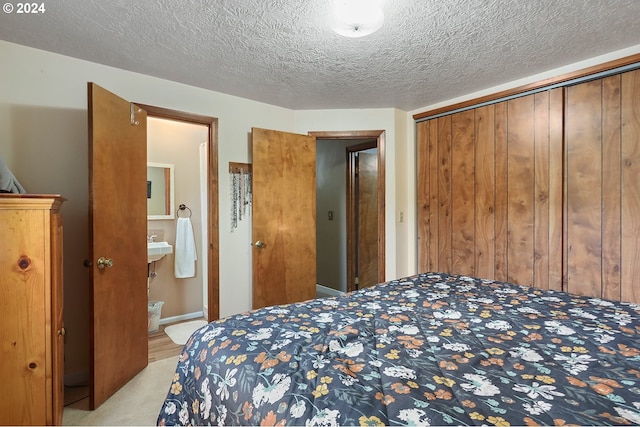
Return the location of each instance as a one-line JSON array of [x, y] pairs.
[[260, 244], [105, 262]]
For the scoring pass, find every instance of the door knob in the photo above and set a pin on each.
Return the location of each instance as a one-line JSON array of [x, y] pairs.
[[260, 244], [105, 262]]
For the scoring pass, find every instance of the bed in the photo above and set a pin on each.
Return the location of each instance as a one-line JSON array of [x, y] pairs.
[[431, 349]]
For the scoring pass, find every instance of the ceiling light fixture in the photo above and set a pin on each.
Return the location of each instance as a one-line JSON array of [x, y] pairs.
[[356, 18]]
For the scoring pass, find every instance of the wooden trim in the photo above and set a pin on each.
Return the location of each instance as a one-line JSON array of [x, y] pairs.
[[379, 137], [213, 262], [617, 63]]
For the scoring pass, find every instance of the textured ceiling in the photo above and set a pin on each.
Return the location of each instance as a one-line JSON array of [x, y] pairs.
[[283, 52]]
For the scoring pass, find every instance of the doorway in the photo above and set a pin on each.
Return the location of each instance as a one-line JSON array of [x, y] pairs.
[[209, 210], [341, 239]]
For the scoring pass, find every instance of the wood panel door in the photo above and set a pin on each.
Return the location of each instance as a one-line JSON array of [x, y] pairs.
[[602, 249], [367, 221], [490, 191], [283, 217], [117, 236]]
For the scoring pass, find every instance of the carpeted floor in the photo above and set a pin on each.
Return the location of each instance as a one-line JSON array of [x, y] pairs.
[[136, 404]]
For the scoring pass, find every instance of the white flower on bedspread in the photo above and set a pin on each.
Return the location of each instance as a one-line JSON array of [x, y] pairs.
[[372, 306], [447, 314], [324, 318], [260, 334], [298, 409], [621, 319], [574, 363], [536, 389], [526, 354], [459, 347], [580, 312], [324, 418], [558, 328], [222, 411], [529, 310], [170, 408], [414, 417], [297, 334], [499, 325], [352, 349], [400, 372], [227, 381], [538, 407], [479, 385], [211, 334], [600, 302], [412, 293], [405, 329], [205, 405], [273, 392], [184, 413], [482, 300], [627, 414]]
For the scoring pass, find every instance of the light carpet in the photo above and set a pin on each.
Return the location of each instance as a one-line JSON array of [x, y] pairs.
[[137, 403], [180, 332]]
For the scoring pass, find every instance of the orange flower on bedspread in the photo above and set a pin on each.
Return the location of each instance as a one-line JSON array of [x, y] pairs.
[[270, 420], [385, 398]]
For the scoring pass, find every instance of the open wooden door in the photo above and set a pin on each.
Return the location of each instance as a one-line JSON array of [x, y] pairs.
[[367, 222], [283, 217], [117, 242]]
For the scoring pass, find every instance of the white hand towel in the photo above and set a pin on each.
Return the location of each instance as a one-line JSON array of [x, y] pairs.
[[185, 254]]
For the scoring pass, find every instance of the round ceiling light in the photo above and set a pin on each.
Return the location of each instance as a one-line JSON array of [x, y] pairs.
[[356, 18]]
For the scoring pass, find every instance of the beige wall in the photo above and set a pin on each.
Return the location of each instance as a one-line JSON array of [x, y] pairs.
[[177, 143]]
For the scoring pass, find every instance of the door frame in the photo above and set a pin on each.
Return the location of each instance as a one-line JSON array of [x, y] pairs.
[[213, 234], [364, 136]]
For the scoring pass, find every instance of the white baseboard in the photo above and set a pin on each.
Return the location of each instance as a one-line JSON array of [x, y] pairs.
[[182, 317], [325, 290]]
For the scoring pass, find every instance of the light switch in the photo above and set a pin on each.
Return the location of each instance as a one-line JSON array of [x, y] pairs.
[[330, 215]]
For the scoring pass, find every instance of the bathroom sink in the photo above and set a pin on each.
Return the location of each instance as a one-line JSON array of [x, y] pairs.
[[156, 250]]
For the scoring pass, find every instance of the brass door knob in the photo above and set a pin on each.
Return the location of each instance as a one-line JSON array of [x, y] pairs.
[[260, 244], [105, 262]]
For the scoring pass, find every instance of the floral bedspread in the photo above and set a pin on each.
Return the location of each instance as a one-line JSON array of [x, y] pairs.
[[432, 349]]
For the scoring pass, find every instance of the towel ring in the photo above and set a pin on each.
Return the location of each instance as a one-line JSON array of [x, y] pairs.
[[181, 208]]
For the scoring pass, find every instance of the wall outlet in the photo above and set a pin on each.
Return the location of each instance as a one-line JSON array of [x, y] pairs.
[[401, 216]]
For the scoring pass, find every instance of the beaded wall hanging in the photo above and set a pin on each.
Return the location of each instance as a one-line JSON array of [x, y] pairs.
[[240, 192]]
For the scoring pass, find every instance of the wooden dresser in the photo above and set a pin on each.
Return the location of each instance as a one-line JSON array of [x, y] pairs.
[[31, 300]]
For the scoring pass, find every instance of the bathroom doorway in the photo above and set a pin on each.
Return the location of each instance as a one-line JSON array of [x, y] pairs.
[[189, 143]]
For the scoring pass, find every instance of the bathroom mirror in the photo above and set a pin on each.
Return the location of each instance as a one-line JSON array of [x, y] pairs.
[[160, 191]]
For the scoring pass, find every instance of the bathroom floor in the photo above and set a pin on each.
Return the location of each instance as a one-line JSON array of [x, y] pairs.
[[161, 346]]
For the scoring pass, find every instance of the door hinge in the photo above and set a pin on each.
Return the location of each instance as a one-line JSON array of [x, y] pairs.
[[134, 122]]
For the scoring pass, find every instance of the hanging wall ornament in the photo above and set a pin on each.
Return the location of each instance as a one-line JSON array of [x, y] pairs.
[[240, 192]]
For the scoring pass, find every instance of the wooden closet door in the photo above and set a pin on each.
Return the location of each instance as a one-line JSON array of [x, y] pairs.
[[490, 191], [602, 129]]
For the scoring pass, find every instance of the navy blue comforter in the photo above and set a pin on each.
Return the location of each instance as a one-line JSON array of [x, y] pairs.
[[432, 349]]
